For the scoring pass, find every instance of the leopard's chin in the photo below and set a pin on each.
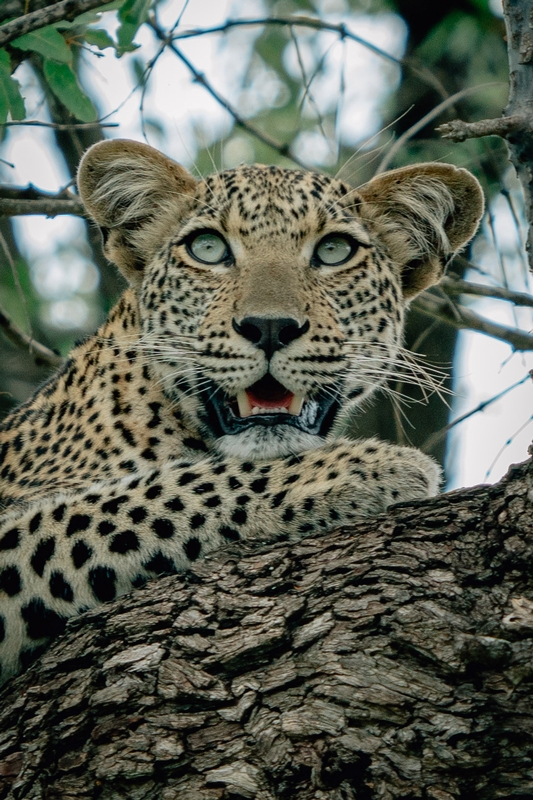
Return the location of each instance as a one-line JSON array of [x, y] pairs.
[[265, 444], [269, 407]]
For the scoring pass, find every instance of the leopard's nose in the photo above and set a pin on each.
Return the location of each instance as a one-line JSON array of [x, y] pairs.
[[270, 333]]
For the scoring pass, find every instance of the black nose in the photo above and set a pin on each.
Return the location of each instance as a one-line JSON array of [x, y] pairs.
[[270, 333]]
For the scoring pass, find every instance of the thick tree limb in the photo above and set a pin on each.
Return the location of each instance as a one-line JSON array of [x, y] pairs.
[[387, 660], [65, 10]]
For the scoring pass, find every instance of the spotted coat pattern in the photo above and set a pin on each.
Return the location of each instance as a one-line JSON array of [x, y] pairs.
[[112, 473]]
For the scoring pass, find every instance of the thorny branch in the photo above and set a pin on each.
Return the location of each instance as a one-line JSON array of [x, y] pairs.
[[65, 10]]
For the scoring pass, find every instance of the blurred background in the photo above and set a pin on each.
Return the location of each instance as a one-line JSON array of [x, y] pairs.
[[348, 87]]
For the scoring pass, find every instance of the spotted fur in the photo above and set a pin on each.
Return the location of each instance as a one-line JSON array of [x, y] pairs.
[[114, 472]]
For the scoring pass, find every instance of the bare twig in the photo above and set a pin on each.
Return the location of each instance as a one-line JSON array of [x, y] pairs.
[[41, 355], [65, 10], [426, 119], [300, 20], [459, 131], [464, 318], [283, 149], [456, 286], [436, 437]]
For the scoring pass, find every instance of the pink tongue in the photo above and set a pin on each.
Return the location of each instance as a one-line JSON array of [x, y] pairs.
[[268, 393]]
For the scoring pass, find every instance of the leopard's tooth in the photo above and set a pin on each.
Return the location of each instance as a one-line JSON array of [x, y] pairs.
[[245, 407], [296, 404]]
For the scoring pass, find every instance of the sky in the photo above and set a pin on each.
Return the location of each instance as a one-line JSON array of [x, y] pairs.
[[179, 114]]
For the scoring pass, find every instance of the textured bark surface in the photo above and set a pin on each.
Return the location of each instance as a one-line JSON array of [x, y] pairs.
[[393, 659]]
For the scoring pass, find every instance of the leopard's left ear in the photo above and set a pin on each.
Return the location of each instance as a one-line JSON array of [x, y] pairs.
[[424, 213], [136, 195]]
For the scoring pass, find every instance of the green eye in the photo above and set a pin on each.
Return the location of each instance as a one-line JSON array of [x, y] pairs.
[[335, 249], [210, 248]]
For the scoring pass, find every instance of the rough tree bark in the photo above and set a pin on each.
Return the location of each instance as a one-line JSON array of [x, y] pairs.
[[393, 659]]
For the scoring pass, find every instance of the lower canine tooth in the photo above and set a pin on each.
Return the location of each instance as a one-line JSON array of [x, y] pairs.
[[245, 408], [296, 405]]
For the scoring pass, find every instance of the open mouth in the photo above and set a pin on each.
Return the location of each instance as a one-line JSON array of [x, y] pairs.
[[268, 403]]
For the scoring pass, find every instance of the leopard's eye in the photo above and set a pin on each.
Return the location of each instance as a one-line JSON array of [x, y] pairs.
[[208, 247], [335, 249]]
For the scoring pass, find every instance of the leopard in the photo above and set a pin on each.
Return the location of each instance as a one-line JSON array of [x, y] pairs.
[[263, 303]]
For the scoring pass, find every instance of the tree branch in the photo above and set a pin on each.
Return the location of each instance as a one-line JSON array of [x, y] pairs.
[[464, 318], [455, 286], [65, 10], [300, 20], [429, 117], [283, 149], [385, 660], [432, 440], [518, 17], [41, 355], [15, 201], [459, 131], [58, 126]]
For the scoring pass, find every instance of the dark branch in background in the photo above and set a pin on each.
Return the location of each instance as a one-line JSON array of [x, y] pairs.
[[65, 10], [456, 286], [9, 9], [57, 126], [438, 435], [308, 22], [300, 20], [464, 318], [283, 149], [20, 201], [41, 355], [459, 131], [429, 117]]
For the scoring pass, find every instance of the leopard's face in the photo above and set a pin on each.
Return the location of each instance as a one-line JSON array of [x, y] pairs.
[[270, 308], [268, 297]]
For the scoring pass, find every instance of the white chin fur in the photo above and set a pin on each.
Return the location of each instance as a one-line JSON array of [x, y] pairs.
[[267, 443]]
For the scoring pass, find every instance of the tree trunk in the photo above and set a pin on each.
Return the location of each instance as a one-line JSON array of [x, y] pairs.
[[388, 660]]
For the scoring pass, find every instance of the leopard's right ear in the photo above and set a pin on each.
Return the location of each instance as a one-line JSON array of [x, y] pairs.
[[136, 194]]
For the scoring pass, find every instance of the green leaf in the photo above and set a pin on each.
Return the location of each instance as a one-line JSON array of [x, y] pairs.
[[98, 38], [64, 84], [132, 15], [46, 41], [11, 100]]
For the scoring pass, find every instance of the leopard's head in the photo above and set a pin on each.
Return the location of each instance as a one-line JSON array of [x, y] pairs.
[[269, 297]]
